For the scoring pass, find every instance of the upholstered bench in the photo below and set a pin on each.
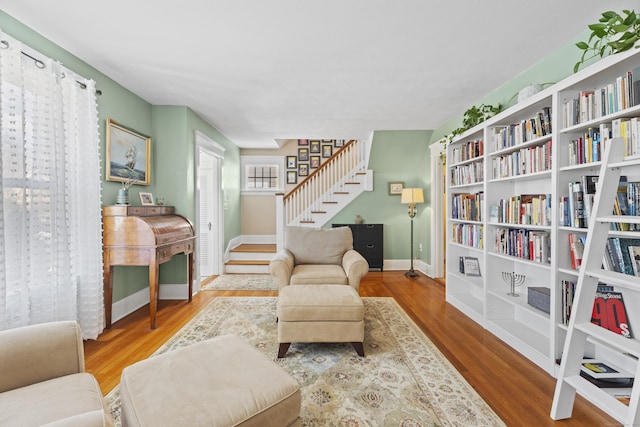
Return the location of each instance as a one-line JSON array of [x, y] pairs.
[[220, 382], [320, 313]]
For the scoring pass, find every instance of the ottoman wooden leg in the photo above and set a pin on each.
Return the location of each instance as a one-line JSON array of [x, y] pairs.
[[284, 346], [359, 348]]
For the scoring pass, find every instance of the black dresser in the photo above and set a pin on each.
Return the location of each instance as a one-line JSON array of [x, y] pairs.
[[368, 240]]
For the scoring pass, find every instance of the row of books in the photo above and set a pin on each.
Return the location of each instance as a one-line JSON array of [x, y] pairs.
[[467, 151], [467, 174], [576, 208], [467, 206], [468, 235], [589, 147], [609, 310], [524, 161], [525, 244], [616, 96], [629, 130], [525, 209], [622, 254], [523, 131]]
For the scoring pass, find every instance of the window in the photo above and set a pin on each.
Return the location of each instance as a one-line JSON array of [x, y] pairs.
[[262, 174]]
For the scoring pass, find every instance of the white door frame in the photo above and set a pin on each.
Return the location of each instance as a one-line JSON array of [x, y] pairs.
[[206, 144], [437, 212]]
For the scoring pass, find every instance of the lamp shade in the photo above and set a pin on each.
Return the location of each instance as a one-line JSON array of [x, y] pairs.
[[412, 196]]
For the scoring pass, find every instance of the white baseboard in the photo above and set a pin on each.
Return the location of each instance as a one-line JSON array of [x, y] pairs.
[[128, 305], [405, 264]]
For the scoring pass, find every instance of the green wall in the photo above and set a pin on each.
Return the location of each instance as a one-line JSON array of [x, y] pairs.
[[172, 153], [396, 156]]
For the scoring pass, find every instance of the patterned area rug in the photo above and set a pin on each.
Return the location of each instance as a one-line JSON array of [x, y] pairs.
[[404, 380], [242, 282]]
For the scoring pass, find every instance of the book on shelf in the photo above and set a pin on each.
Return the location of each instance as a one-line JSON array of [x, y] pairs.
[[576, 250], [576, 205], [610, 313], [568, 293], [622, 255], [601, 370], [589, 183]]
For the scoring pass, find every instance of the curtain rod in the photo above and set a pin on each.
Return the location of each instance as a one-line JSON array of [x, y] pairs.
[[42, 65]]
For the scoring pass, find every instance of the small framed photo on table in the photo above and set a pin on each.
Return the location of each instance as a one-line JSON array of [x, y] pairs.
[[146, 199]]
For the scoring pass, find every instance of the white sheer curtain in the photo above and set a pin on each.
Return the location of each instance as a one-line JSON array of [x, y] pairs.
[[50, 200]]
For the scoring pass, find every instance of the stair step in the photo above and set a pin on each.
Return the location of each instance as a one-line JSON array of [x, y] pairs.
[[318, 212], [307, 221], [331, 203], [361, 173], [255, 247], [247, 262], [352, 183], [340, 192]]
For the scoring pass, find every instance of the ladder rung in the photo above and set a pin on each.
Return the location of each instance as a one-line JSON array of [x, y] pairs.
[[605, 336], [624, 219], [592, 393], [614, 278]]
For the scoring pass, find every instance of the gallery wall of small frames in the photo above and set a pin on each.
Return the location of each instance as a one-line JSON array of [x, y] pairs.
[[311, 154]]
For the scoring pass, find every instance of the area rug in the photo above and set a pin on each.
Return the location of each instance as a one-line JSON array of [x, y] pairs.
[[403, 380], [242, 282]]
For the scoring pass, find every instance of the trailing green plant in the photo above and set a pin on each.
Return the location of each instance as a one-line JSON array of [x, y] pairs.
[[613, 33], [472, 117]]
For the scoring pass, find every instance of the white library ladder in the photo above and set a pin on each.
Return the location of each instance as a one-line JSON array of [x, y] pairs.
[[580, 328]]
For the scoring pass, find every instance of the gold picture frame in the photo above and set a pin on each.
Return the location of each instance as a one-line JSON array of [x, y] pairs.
[[128, 155]]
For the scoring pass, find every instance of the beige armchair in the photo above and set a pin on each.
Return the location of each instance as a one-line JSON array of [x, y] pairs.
[[42, 378], [318, 256]]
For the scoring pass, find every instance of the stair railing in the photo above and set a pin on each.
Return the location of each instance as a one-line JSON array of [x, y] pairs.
[[321, 186]]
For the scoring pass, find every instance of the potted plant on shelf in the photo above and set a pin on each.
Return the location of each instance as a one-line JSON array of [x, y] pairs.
[[613, 33], [472, 117]]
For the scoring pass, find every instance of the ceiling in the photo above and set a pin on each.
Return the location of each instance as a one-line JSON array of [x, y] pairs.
[[260, 71]]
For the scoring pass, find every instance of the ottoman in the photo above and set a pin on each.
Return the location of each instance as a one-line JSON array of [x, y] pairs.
[[220, 382], [320, 313]]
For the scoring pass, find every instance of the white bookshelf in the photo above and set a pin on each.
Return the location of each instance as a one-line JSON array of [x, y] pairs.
[[537, 335]]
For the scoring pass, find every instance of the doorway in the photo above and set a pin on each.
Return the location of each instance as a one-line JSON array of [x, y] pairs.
[[209, 207]]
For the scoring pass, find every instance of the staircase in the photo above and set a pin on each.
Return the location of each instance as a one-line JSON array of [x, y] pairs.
[[312, 203]]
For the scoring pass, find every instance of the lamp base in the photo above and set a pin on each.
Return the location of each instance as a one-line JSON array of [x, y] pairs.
[[411, 273]]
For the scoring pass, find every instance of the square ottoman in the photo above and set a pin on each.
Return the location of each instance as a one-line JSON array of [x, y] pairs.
[[320, 313], [220, 382]]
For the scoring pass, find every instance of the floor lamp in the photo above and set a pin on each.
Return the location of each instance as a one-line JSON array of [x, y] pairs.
[[412, 196]]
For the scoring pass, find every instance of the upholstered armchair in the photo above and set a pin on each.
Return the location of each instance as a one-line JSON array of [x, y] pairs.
[[42, 378], [318, 256]]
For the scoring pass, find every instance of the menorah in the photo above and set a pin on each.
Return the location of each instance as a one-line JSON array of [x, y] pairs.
[[513, 279]]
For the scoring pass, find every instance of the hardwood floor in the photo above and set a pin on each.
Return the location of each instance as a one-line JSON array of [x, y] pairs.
[[518, 391]]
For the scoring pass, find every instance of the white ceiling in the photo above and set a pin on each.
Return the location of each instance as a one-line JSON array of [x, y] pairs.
[[266, 70]]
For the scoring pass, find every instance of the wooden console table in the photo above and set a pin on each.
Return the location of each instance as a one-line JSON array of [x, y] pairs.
[[144, 236]]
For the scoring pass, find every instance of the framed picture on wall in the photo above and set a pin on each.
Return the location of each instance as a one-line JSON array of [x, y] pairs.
[[327, 150], [292, 162], [303, 142], [314, 146], [303, 154], [303, 169], [395, 188], [292, 177], [338, 143], [315, 162], [128, 155]]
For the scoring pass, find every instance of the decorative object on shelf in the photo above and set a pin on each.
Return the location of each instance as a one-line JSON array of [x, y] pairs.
[[513, 280], [471, 266], [395, 188], [128, 155], [539, 297], [160, 201], [123, 193], [613, 33], [532, 89], [412, 196], [359, 220], [146, 199]]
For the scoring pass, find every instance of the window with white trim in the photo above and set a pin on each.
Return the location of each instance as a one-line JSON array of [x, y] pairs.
[[262, 173]]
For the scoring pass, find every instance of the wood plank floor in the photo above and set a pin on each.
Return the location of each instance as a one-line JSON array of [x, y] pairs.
[[517, 390]]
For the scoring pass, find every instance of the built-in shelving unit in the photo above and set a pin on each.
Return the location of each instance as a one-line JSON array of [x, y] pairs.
[[515, 165]]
